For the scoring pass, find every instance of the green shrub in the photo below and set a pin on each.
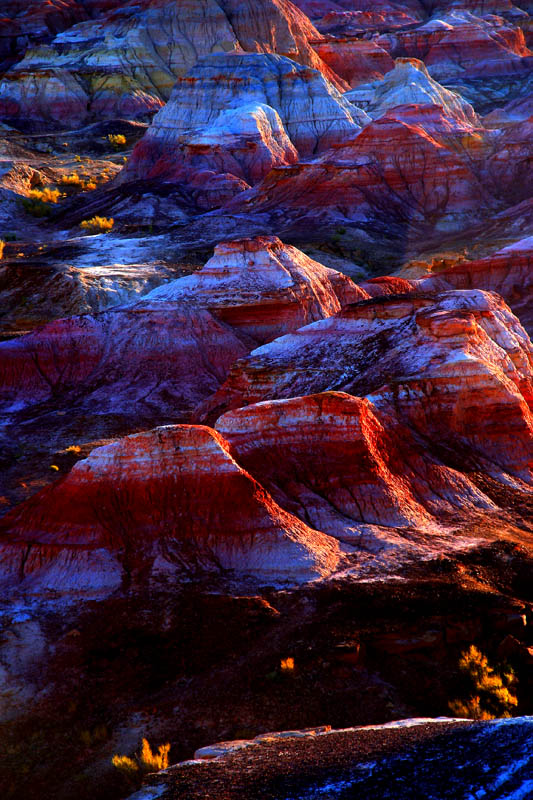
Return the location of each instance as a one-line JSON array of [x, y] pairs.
[[36, 207]]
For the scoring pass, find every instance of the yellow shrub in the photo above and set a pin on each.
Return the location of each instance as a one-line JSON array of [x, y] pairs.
[[97, 224], [491, 695], [287, 664], [153, 762], [76, 181], [144, 762], [45, 195], [71, 180], [126, 765], [118, 140]]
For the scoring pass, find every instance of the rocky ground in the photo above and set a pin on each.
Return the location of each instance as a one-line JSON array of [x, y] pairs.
[[273, 405]]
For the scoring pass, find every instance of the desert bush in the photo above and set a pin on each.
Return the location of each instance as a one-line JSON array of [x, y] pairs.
[[75, 181], [287, 665], [489, 692], [45, 195], [153, 762], [117, 140], [71, 180], [36, 207], [97, 224], [142, 763]]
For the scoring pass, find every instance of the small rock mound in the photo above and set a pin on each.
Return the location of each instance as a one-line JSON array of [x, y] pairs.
[[410, 83]]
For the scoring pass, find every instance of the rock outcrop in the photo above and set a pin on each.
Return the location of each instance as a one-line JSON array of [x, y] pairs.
[[158, 358], [356, 60], [430, 358], [347, 468], [168, 502], [393, 168], [407, 84], [508, 271], [241, 115], [125, 62], [263, 288], [460, 45]]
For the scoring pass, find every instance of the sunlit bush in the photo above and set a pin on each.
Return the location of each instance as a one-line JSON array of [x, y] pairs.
[[489, 692], [118, 140], [142, 763], [97, 224]]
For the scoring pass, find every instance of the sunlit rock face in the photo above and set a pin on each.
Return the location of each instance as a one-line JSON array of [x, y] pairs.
[[241, 116], [277, 493], [430, 358], [171, 501], [508, 272], [172, 349], [263, 288], [356, 60], [393, 168], [407, 84], [126, 60], [458, 45], [343, 465]]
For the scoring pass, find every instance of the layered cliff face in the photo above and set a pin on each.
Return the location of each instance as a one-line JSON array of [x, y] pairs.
[[125, 62], [508, 272], [356, 60], [263, 288], [393, 167], [169, 351], [410, 83], [459, 45], [171, 501], [242, 115], [428, 358], [273, 493], [348, 468]]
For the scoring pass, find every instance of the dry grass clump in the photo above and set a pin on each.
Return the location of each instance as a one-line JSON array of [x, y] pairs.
[[142, 763], [97, 224], [38, 201], [75, 181]]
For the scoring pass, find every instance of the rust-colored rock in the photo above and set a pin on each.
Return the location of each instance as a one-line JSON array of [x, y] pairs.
[[165, 503], [392, 166], [430, 358], [343, 466], [263, 288]]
